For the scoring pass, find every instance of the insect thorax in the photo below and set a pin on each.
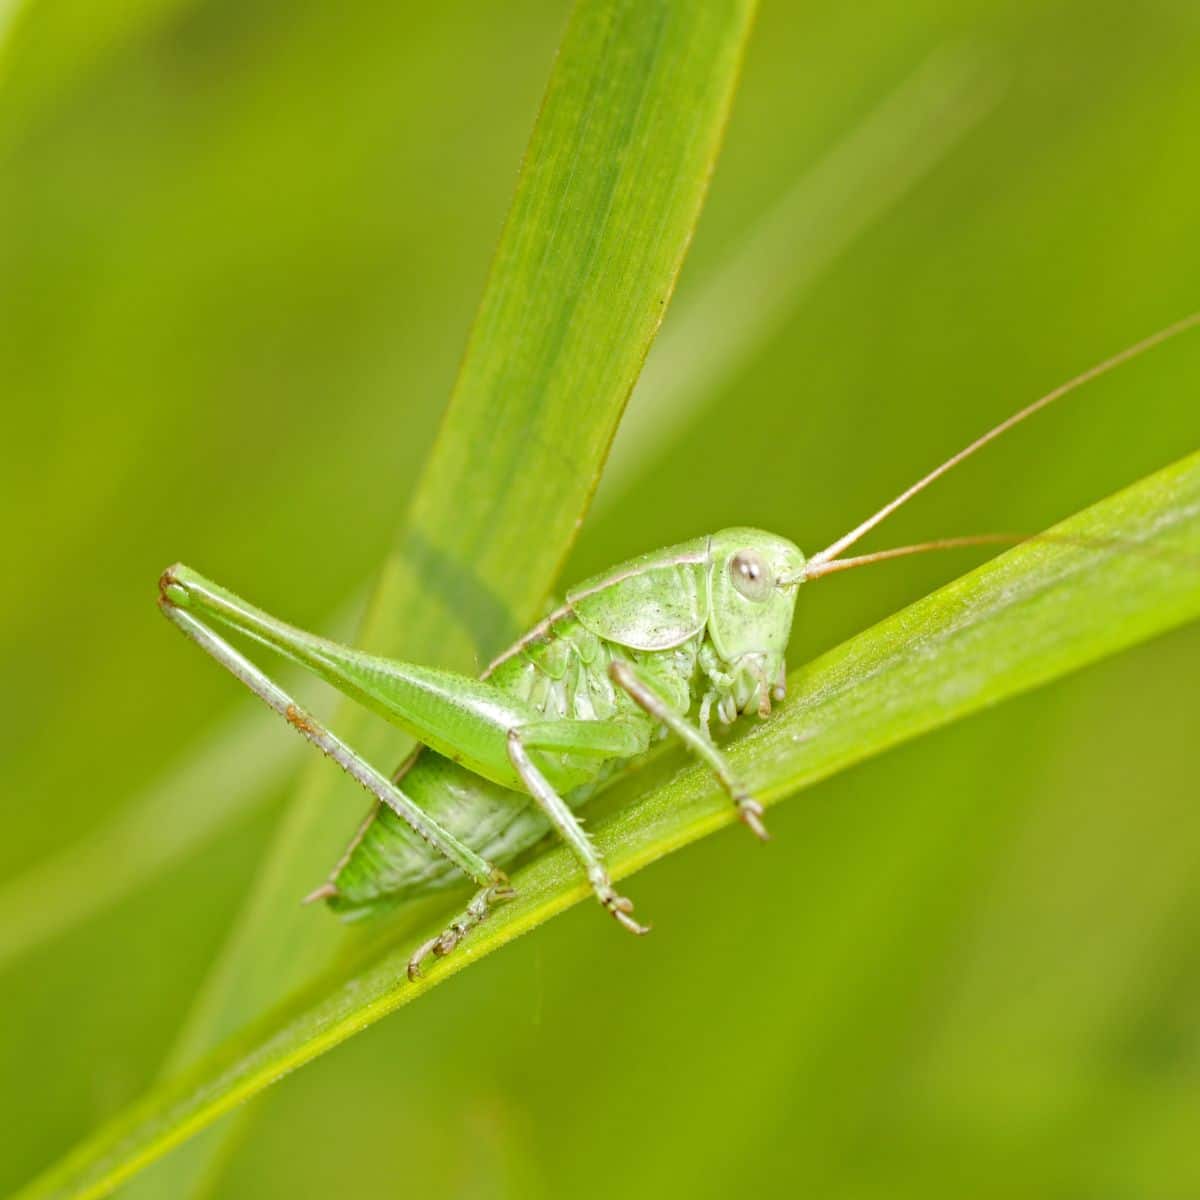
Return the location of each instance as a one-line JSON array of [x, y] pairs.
[[564, 672]]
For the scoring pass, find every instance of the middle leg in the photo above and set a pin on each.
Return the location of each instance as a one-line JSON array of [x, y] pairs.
[[567, 826]]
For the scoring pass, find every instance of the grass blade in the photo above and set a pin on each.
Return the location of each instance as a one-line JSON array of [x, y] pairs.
[[862, 178], [1031, 615], [605, 205]]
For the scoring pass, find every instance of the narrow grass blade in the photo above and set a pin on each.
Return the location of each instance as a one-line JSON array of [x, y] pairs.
[[605, 205], [10, 12], [1031, 615], [787, 250]]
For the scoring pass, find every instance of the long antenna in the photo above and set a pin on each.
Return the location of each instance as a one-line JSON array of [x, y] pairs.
[[949, 543], [999, 539], [818, 560]]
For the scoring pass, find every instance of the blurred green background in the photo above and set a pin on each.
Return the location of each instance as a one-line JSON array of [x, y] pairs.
[[241, 245]]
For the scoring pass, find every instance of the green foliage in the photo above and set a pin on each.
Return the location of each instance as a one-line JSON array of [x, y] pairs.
[[238, 768], [1039, 611], [233, 242]]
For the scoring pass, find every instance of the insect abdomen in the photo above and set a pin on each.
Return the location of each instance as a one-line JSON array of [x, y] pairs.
[[387, 861]]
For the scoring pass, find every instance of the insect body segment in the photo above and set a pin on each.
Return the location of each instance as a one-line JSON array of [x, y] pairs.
[[701, 626]]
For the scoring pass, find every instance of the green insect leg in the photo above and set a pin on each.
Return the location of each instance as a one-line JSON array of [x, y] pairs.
[[474, 914], [642, 692], [491, 880], [587, 739], [464, 719], [567, 825]]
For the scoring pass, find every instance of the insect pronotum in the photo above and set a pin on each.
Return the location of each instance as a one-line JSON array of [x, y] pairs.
[[660, 643]]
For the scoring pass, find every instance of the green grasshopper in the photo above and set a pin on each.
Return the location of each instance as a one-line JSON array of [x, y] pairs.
[[656, 645]]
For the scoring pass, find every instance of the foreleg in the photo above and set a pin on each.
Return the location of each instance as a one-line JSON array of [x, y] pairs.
[[642, 692]]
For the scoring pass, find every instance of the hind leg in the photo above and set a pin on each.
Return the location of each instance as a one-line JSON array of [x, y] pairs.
[[490, 879]]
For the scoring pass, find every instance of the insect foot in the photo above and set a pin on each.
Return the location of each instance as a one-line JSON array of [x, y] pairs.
[[474, 914], [750, 813], [619, 906]]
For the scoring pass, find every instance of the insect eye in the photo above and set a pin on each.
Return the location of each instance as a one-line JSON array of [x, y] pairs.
[[751, 575]]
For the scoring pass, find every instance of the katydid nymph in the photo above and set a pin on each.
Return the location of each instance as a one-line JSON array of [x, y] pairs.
[[659, 645]]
